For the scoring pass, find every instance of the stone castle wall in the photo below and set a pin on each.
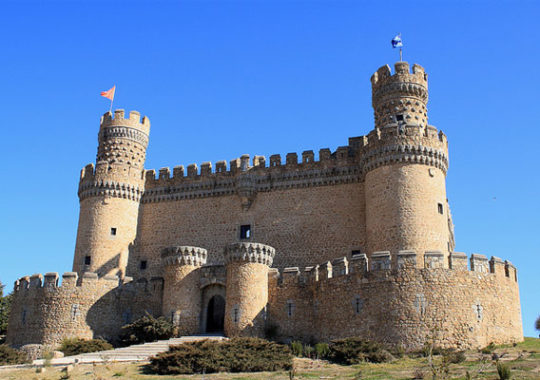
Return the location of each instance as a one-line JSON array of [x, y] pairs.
[[407, 306], [45, 312]]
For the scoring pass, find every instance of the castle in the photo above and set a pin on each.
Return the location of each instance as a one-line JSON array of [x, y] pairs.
[[358, 242]]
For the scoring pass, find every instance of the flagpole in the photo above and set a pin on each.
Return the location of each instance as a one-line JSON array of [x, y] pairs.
[[112, 99], [400, 55]]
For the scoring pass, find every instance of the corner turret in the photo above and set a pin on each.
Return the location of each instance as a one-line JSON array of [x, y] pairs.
[[109, 195], [405, 162]]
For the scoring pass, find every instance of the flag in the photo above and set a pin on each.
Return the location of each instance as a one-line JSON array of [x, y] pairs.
[[396, 41], [109, 94]]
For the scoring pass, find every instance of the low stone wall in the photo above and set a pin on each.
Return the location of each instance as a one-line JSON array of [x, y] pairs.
[[44, 312], [398, 303]]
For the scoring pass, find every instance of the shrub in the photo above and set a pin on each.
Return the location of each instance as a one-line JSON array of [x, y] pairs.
[[503, 371], [308, 351], [76, 346], [10, 355], [455, 357], [356, 350], [537, 324], [488, 349], [296, 348], [146, 329], [321, 350], [235, 355]]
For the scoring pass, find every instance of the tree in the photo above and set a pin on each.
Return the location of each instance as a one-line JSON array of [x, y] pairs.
[[537, 324], [5, 306]]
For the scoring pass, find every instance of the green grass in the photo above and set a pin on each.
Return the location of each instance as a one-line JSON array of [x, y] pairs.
[[525, 367]]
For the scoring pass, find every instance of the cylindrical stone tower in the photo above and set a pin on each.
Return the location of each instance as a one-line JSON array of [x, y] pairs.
[[405, 164], [110, 194], [247, 288], [181, 290]]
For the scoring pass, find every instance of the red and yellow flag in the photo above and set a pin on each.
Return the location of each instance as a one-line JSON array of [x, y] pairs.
[[109, 94]]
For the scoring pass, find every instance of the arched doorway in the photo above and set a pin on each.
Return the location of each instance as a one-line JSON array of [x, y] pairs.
[[215, 314], [213, 309]]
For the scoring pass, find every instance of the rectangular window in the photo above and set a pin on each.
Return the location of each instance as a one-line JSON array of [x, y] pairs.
[[245, 231], [440, 207], [143, 264], [355, 252], [399, 117], [87, 260], [113, 231]]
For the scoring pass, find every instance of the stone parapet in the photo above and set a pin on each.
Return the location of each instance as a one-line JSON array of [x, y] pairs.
[[381, 262], [184, 255], [120, 120], [249, 252]]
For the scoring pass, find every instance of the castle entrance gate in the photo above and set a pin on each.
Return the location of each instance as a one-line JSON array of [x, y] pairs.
[[213, 313]]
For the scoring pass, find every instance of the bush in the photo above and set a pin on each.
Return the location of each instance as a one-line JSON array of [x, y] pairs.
[[308, 351], [322, 350], [146, 329], [296, 348], [235, 355], [503, 371], [10, 356], [76, 346], [488, 349], [356, 350], [455, 357]]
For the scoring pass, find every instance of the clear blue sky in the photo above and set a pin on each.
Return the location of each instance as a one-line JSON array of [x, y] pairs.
[[219, 79]]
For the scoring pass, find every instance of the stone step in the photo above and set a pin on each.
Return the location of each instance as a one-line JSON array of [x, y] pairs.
[[138, 352]]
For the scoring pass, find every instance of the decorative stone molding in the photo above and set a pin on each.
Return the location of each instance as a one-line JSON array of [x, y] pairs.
[[249, 252], [111, 189], [184, 255], [121, 132], [246, 190], [421, 154]]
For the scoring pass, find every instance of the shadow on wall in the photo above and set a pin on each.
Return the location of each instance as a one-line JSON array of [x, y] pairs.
[[123, 305]]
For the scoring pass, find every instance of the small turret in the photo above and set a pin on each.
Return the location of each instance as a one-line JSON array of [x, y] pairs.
[[400, 98]]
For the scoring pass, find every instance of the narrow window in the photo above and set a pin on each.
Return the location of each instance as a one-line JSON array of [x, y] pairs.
[[235, 315], [440, 207], [357, 304], [113, 231], [87, 260], [143, 264], [245, 231], [290, 308]]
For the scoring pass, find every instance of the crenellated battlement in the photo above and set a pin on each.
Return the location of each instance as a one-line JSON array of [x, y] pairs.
[[89, 283], [382, 264], [133, 120], [249, 253], [184, 255]]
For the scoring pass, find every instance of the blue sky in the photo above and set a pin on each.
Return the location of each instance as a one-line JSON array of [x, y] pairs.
[[223, 78]]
